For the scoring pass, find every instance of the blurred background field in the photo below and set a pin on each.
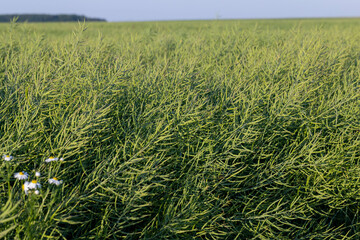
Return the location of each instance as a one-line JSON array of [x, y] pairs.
[[182, 130]]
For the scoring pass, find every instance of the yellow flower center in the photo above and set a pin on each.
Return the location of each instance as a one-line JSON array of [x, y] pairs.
[[23, 187], [34, 181], [51, 157], [55, 178], [21, 173], [7, 156]]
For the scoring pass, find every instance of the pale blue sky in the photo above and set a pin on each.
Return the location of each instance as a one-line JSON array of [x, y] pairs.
[[152, 10]]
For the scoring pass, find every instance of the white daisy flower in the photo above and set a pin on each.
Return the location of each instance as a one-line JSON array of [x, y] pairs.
[[30, 185], [37, 192], [34, 185], [55, 181], [50, 159], [24, 187], [8, 157], [21, 175], [37, 174]]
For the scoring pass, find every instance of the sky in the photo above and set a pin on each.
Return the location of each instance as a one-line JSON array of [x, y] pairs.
[[157, 10]]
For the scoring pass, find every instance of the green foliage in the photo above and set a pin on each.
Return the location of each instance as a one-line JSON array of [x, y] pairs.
[[182, 130], [46, 18]]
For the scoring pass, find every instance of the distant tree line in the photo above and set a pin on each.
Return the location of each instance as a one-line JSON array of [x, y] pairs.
[[47, 18]]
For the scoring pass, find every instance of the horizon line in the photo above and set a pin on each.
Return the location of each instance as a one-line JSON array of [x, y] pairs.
[[194, 19]]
